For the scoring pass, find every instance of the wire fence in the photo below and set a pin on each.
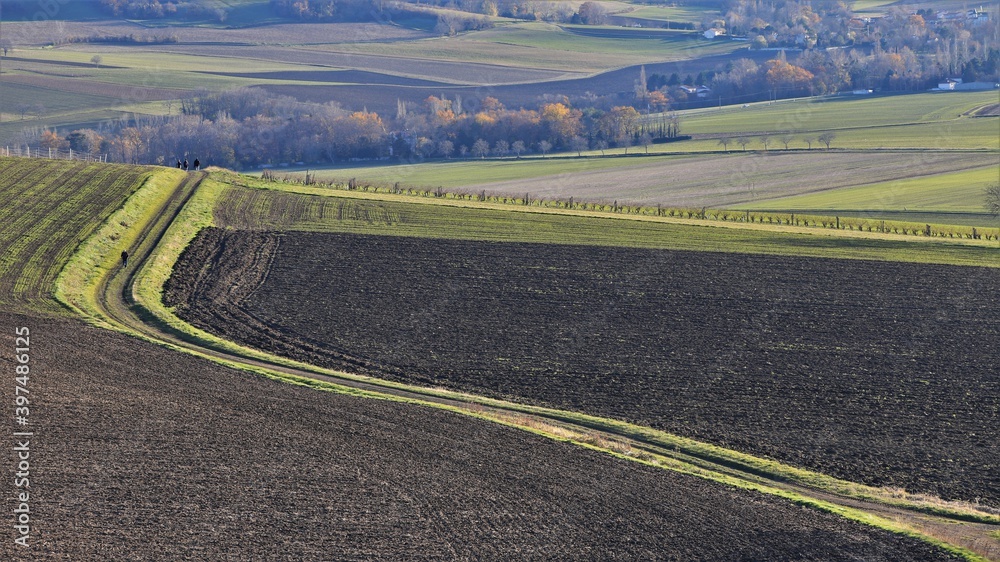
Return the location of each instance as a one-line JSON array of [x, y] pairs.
[[28, 151]]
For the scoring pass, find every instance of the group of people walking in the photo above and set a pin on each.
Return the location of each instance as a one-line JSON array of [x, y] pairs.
[[184, 165]]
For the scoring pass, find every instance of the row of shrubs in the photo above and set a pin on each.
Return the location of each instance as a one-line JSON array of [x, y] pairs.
[[770, 218]]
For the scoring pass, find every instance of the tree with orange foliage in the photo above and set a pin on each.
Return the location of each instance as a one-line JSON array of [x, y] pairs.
[[786, 76], [563, 123], [52, 140], [359, 134], [658, 101], [619, 124]]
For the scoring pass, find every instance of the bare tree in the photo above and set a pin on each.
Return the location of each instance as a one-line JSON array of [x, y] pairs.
[[764, 139], [645, 140], [480, 148], [601, 145], [592, 13], [826, 138], [517, 147], [544, 147], [578, 144], [786, 138], [809, 141], [446, 148], [993, 199], [743, 141], [725, 141], [97, 60], [501, 148], [425, 147], [624, 140]]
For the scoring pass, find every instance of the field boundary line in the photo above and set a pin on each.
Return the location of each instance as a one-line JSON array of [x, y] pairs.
[[518, 208]]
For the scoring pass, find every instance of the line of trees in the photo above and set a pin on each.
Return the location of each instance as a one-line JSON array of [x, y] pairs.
[[249, 127]]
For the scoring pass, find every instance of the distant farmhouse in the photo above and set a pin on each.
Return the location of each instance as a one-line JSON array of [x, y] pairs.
[[957, 85]]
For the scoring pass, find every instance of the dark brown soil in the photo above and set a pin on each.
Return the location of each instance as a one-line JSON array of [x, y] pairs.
[[883, 373], [141, 453]]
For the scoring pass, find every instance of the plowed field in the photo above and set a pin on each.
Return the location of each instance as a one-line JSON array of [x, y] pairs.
[[146, 454], [877, 372]]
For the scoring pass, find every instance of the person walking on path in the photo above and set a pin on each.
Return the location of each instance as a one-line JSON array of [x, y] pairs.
[[185, 165], [124, 258], [197, 164]]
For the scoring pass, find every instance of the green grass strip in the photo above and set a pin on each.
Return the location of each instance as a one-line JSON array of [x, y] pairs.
[[262, 205], [78, 282]]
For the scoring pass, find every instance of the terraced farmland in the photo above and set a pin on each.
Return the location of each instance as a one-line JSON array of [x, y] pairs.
[[873, 372], [49, 208]]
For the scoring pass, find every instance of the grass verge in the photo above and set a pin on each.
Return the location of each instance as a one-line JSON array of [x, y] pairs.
[[79, 281], [198, 214]]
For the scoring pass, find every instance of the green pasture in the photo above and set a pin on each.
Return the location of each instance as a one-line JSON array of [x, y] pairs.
[[152, 59], [690, 12], [966, 133], [122, 69], [954, 198], [239, 13], [667, 45], [549, 46], [978, 134], [840, 112], [871, 6]]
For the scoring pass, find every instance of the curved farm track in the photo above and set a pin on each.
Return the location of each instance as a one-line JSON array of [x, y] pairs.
[[869, 371]]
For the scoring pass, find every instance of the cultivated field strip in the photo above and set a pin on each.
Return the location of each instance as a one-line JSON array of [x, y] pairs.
[[445, 71], [192, 460], [49, 208], [734, 179], [263, 209], [113, 93], [872, 372], [250, 209]]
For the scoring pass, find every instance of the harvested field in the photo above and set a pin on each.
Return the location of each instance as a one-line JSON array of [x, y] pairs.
[[992, 110], [876, 372], [50, 101], [445, 71], [50, 206], [151, 454], [717, 180], [113, 92], [48, 32], [731, 180], [513, 87], [338, 76]]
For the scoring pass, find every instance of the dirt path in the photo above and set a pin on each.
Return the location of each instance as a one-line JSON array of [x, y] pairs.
[[117, 303]]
